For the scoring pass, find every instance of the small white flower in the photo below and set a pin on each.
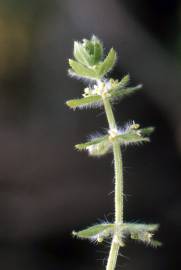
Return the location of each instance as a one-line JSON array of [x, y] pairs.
[[113, 133], [103, 88], [100, 239], [134, 125]]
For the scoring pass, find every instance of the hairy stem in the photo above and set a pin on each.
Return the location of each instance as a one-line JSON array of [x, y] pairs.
[[113, 254], [109, 114], [118, 169]]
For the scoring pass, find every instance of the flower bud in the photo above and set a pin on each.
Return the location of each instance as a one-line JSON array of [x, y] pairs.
[[88, 52]]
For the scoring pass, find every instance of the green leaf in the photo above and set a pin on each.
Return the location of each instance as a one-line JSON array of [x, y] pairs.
[[124, 81], [97, 140], [85, 102], [98, 50], [108, 63], [80, 70], [122, 92], [131, 137], [147, 131], [155, 243], [89, 46], [99, 149], [98, 146], [89, 52], [93, 232], [132, 134], [118, 85], [142, 232], [138, 227], [145, 237], [81, 54]]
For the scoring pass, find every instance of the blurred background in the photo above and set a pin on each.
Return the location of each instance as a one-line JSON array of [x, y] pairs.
[[46, 188]]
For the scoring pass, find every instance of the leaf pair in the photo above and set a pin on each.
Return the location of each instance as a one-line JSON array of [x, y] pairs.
[[101, 145], [118, 90], [140, 232]]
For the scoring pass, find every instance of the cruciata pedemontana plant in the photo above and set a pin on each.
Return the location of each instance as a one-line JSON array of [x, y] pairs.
[[90, 65]]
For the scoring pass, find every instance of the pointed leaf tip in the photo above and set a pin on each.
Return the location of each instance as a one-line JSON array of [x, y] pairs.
[[86, 102], [108, 63], [155, 243], [123, 91], [93, 232], [82, 71], [97, 146], [147, 131]]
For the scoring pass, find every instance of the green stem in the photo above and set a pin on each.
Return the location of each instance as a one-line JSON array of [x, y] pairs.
[[109, 113], [113, 254], [118, 169]]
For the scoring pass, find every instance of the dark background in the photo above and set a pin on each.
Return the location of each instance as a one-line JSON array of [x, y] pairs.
[[46, 188]]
